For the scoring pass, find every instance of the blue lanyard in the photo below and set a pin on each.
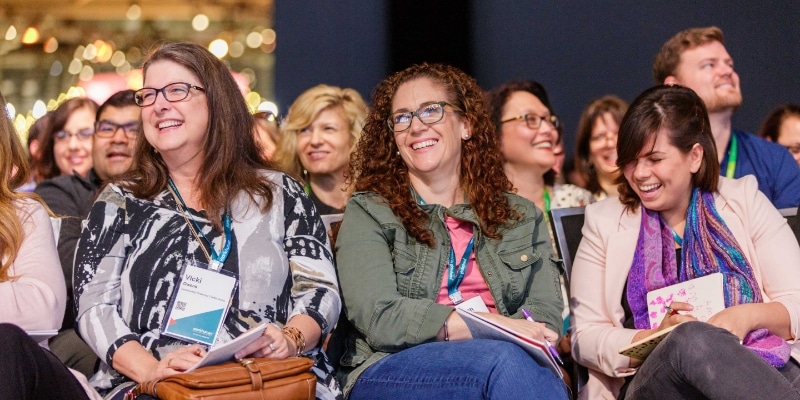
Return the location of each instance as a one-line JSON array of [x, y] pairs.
[[455, 274], [227, 224]]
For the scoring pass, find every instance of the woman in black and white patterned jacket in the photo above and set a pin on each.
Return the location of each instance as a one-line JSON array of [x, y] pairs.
[[201, 196]]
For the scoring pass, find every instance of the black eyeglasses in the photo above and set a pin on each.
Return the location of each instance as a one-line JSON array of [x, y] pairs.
[[428, 114], [107, 129], [535, 121], [173, 92], [83, 134]]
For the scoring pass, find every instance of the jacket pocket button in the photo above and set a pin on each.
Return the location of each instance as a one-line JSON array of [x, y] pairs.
[[524, 257]]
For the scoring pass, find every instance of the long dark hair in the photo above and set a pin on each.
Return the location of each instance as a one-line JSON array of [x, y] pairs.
[[231, 162]]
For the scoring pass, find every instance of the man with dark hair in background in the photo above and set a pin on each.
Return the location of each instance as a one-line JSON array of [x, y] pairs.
[[71, 197]]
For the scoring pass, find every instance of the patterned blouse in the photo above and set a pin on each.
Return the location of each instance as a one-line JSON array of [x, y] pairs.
[[129, 261]]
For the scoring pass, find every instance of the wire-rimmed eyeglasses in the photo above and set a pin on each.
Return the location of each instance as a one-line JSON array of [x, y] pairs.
[[534, 121], [173, 92], [428, 114], [83, 134]]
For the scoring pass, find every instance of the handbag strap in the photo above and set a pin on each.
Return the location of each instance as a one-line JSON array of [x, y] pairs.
[[255, 373]]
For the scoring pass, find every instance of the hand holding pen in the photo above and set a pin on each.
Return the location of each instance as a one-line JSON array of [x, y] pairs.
[[550, 347]]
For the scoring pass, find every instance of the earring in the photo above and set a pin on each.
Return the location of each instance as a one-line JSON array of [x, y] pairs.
[[398, 152], [466, 136]]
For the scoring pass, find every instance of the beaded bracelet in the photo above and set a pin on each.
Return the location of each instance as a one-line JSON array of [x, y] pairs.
[[297, 337]]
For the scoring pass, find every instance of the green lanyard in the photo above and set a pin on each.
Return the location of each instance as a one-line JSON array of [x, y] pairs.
[[546, 204], [732, 156]]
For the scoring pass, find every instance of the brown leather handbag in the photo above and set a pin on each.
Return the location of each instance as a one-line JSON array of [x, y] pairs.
[[250, 378]]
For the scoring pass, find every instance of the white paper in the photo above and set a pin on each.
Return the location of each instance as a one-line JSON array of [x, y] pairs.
[[704, 294], [482, 328], [224, 351]]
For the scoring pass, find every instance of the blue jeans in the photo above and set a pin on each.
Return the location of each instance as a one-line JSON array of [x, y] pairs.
[[472, 369], [700, 361]]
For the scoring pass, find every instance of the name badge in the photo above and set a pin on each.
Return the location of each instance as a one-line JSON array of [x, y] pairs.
[[200, 304], [474, 304]]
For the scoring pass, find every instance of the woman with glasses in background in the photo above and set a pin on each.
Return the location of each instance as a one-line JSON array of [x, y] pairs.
[[528, 131], [66, 147], [320, 131], [201, 202], [429, 183], [596, 147]]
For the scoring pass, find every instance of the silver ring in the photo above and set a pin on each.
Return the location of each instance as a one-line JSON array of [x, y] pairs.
[[668, 309], [272, 346]]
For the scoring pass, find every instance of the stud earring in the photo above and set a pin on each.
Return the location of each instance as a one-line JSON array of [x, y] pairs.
[[466, 136]]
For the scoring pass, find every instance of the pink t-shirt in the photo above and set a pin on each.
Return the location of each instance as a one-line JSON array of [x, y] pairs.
[[473, 283]]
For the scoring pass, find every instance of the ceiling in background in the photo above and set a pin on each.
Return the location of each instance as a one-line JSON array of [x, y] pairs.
[[82, 40]]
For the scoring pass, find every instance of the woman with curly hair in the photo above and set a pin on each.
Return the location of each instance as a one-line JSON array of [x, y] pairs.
[[430, 189]]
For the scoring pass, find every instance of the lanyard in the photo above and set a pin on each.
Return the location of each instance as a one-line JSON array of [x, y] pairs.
[[732, 157], [215, 260], [456, 273], [675, 237]]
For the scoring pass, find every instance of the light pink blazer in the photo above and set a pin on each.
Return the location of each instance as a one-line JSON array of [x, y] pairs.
[[604, 258], [35, 299]]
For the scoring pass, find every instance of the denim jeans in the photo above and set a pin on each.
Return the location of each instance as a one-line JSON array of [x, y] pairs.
[[472, 369], [700, 361]]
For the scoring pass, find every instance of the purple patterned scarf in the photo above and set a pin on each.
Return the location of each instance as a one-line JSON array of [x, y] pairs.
[[708, 247]]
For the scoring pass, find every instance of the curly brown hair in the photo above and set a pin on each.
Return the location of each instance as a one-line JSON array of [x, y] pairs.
[[376, 165]]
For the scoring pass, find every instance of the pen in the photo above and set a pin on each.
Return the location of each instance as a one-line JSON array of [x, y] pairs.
[[550, 347]]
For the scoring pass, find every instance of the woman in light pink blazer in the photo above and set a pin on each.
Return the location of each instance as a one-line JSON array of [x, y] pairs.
[[676, 219]]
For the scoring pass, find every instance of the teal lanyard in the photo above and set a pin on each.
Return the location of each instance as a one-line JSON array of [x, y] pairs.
[[732, 157], [227, 224], [456, 273]]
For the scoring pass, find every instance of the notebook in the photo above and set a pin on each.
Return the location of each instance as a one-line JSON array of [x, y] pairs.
[[705, 294]]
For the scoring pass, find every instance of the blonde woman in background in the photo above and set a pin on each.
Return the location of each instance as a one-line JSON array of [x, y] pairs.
[[318, 135]]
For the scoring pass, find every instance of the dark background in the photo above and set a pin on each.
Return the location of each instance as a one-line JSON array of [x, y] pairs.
[[579, 50]]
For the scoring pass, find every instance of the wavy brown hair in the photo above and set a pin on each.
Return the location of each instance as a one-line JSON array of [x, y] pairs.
[[669, 57], [376, 165], [683, 117], [232, 162]]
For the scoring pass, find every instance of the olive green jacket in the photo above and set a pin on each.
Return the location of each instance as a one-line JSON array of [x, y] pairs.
[[389, 281]]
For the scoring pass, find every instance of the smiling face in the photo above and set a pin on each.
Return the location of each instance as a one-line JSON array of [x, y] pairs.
[[113, 155], [661, 176], [73, 153], [603, 145], [324, 146], [708, 70], [430, 151], [522, 146], [178, 129]]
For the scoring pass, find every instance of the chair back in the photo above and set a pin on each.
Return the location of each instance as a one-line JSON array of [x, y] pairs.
[[567, 224], [793, 220]]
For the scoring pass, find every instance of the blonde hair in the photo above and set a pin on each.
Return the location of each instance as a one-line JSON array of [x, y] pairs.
[[14, 172], [305, 109]]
